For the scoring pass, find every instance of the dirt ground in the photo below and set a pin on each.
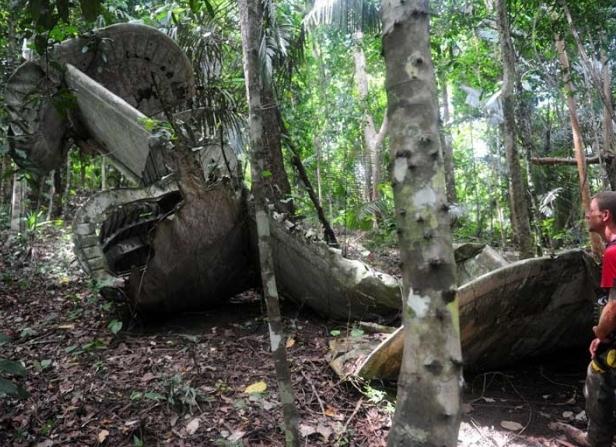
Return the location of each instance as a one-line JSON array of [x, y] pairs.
[[96, 376]]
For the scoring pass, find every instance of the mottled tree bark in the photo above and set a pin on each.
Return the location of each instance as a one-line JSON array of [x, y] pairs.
[[429, 394], [517, 183], [251, 20], [578, 142]]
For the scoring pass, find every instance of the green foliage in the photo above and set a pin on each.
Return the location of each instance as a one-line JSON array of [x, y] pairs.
[[180, 394], [378, 397], [115, 326], [34, 221]]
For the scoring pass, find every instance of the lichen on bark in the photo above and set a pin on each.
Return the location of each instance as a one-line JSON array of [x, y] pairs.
[[428, 406]]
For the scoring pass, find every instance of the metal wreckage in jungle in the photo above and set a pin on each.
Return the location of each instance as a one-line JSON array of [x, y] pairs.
[[184, 239]]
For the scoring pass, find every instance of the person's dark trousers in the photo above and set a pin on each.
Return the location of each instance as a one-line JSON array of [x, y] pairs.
[[600, 394]]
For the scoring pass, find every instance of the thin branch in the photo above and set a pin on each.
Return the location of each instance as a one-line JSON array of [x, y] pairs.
[[562, 160]]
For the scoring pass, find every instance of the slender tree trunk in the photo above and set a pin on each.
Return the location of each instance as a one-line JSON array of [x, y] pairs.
[[373, 140], [578, 143], [277, 184], [4, 165], [316, 141], [590, 67], [18, 204], [609, 152], [446, 143], [251, 19], [52, 193], [67, 190], [35, 193], [58, 194], [328, 232], [103, 173], [524, 115], [517, 183], [429, 394], [82, 172]]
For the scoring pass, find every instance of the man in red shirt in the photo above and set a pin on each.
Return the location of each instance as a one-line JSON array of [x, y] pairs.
[[600, 387]]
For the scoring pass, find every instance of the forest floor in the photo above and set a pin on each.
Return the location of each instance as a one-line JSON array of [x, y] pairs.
[[96, 376]]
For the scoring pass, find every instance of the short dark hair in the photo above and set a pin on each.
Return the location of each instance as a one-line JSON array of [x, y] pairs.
[[606, 200]]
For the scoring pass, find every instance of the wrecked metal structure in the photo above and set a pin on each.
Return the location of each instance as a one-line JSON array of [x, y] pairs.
[[184, 238]]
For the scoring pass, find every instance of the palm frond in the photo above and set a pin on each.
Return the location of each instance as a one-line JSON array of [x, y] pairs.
[[349, 16], [282, 46]]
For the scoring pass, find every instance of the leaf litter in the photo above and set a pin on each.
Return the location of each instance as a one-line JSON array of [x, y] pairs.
[[98, 377]]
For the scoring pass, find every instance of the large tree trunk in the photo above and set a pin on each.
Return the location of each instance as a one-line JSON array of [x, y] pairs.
[[517, 183], [429, 394], [578, 143], [261, 121]]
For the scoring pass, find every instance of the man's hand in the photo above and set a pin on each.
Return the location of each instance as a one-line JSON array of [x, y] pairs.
[[593, 347]]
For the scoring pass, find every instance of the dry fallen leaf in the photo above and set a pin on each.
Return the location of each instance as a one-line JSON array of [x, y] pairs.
[[147, 377], [236, 436], [192, 426], [290, 342], [173, 420], [324, 431], [257, 387], [102, 436], [306, 430], [511, 425]]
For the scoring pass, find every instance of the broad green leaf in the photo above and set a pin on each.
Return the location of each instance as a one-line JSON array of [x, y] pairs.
[[335, 333], [94, 344], [194, 5], [266, 174], [153, 396], [210, 9], [4, 338], [356, 332], [45, 363], [115, 326], [8, 387], [11, 367]]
